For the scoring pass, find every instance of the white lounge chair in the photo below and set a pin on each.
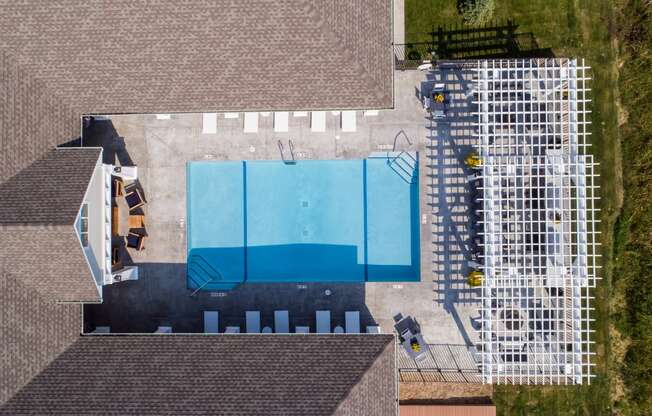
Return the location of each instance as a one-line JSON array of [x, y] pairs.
[[209, 123], [323, 324], [318, 121], [373, 329], [370, 113], [253, 322], [265, 113], [163, 330], [251, 122], [163, 116], [281, 322], [300, 114], [281, 121], [302, 330], [102, 330], [348, 121], [231, 115], [211, 320], [352, 319], [232, 330]]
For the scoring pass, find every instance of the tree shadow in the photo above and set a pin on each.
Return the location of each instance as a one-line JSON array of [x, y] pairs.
[[496, 40]]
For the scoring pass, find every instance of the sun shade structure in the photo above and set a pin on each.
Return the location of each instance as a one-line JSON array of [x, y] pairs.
[[537, 226]]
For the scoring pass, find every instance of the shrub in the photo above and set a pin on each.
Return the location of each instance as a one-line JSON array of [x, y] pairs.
[[478, 12]]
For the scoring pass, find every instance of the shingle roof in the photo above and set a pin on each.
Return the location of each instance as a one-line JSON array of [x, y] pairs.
[[222, 374], [59, 60], [50, 191], [201, 55], [38, 241], [33, 330]]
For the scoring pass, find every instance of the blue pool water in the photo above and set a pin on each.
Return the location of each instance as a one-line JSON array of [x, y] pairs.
[[313, 221]]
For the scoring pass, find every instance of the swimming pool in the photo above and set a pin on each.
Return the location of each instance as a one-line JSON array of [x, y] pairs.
[[310, 221]]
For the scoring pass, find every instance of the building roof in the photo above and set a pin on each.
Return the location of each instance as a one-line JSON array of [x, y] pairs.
[[447, 410], [194, 56], [61, 60], [216, 374], [38, 241], [33, 330]]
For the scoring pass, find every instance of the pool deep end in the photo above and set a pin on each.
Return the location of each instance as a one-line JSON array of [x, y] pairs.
[[312, 221]]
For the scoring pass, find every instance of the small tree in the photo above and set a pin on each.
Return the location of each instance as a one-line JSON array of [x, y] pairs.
[[478, 12]]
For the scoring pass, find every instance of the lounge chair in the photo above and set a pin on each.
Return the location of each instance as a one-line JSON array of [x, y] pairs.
[[163, 330], [211, 322], [134, 199], [232, 330], [231, 115], [373, 329], [302, 330], [101, 330], [253, 322], [352, 319], [318, 121], [209, 123], [370, 113], [323, 323], [348, 121], [163, 116], [136, 241], [281, 322], [281, 122], [300, 114], [250, 123]]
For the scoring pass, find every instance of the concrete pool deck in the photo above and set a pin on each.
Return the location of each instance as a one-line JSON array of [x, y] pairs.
[[441, 302]]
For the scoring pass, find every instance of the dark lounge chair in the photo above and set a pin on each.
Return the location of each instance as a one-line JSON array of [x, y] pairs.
[[134, 199], [136, 241]]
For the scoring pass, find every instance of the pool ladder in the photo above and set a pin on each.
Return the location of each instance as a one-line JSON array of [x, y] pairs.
[[282, 150]]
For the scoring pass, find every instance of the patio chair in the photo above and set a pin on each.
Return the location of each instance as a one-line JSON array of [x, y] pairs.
[[250, 123], [209, 123], [253, 322], [134, 199], [281, 122], [348, 121], [281, 322], [136, 241], [211, 322], [302, 330], [318, 121], [352, 319], [323, 323]]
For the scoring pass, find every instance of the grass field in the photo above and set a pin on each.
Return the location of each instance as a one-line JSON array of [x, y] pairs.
[[584, 29]]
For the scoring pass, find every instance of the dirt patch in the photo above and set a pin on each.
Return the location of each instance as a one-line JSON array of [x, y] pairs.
[[445, 392]]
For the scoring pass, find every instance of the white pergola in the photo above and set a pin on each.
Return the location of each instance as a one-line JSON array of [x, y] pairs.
[[537, 225]]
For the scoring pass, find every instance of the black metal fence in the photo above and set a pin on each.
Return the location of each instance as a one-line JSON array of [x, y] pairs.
[[443, 363], [496, 40]]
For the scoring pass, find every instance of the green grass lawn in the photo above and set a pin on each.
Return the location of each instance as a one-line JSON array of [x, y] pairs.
[[582, 29]]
